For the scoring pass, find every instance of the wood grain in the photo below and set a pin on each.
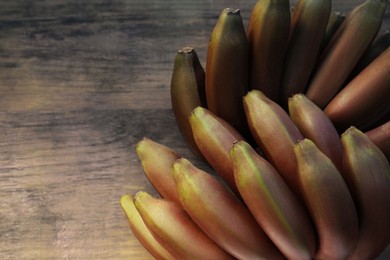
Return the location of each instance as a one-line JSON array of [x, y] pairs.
[[81, 82]]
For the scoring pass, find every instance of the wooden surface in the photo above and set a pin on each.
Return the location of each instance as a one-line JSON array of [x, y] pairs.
[[81, 82]]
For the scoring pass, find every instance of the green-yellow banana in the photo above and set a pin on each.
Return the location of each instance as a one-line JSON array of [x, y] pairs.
[[157, 161], [175, 230], [141, 231]]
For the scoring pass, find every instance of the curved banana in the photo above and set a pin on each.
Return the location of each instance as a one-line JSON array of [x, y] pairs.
[[329, 202], [157, 161], [275, 207], [380, 136], [227, 69], [175, 230], [266, 48], [381, 43], [220, 214], [365, 100], [346, 47], [313, 123], [335, 20], [187, 91], [215, 137], [367, 172], [141, 231], [308, 25], [275, 133]]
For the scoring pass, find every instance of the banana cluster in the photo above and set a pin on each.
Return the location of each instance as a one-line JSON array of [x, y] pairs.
[[302, 192], [340, 62], [292, 116]]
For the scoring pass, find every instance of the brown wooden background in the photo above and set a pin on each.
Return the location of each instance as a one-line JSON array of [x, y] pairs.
[[81, 82]]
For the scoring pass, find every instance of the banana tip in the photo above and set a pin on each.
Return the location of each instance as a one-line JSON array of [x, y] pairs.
[[124, 198], [140, 194], [198, 111], [186, 49], [350, 130], [301, 143], [176, 166], [230, 10]]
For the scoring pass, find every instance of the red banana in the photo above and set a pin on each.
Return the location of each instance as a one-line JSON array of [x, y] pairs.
[[220, 214], [367, 173]]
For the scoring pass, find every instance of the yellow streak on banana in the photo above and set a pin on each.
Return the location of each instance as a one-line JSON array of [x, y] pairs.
[[175, 229], [365, 99], [266, 48], [215, 137], [187, 91], [157, 161], [220, 214], [275, 133], [141, 231], [308, 25], [314, 124], [367, 173], [380, 136], [272, 203], [227, 69], [329, 202], [346, 47]]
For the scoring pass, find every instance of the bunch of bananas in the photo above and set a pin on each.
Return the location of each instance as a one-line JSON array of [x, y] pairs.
[[292, 116]]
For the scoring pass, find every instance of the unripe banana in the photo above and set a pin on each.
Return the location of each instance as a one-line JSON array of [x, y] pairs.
[[380, 136], [275, 133], [335, 20], [345, 49], [308, 25], [187, 91], [313, 123], [215, 137], [365, 100], [227, 69], [157, 161], [275, 207], [329, 202], [266, 48], [220, 214], [367, 173], [175, 230], [141, 231]]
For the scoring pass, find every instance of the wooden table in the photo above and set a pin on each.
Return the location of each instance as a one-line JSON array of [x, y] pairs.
[[81, 82]]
